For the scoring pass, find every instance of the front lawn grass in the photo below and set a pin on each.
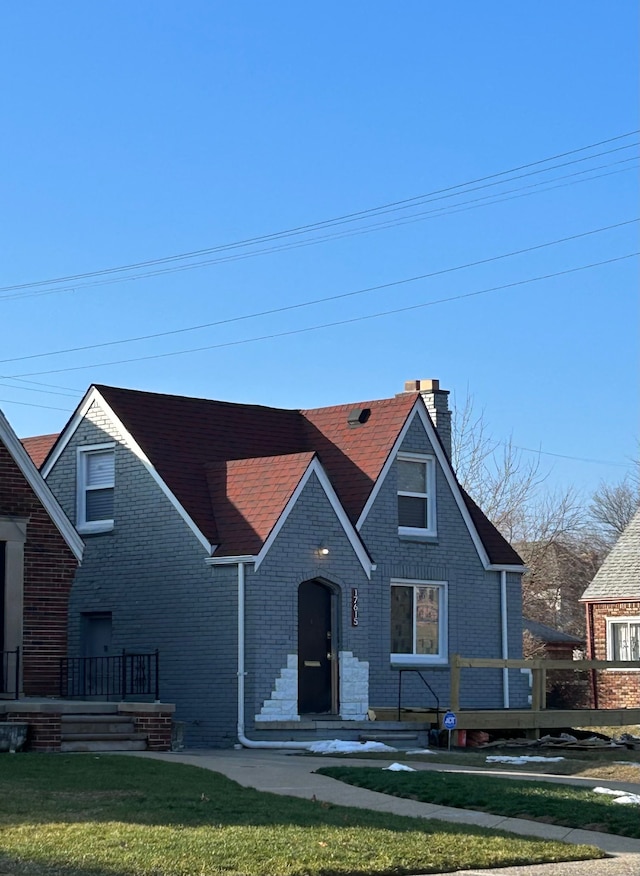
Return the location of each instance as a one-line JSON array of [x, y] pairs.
[[567, 805], [88, 815]]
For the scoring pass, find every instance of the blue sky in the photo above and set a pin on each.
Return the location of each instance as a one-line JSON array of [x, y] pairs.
[[138, 131]]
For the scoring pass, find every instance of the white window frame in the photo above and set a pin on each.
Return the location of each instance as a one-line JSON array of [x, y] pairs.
[[82, 524], [442, 657], [431, 529], [611, 622]]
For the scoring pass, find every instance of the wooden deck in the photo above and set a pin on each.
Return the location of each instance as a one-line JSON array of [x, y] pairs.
[[532, 720]]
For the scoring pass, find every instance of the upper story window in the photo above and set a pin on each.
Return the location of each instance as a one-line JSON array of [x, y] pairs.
[[418, 622], [96, 479], [623, 638], [416, 494]]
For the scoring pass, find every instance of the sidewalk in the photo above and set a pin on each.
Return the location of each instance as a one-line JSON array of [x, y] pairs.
[[289, 773]]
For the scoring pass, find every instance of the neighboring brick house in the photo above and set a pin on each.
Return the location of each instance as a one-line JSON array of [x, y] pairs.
[[612, 603], [286, 563], [39, 554], [554, 644]]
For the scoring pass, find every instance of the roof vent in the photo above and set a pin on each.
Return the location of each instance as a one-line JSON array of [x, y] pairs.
[[358, 416]]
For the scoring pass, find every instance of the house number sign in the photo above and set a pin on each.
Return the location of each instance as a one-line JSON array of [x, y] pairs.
[[354, 606]]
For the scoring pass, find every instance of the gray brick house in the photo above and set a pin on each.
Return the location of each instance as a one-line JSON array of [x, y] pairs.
[[286, 563]]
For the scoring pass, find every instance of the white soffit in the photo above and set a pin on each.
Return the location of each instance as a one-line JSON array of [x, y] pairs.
[[93, 396], [40, 488], [420, 411], [316, 468]]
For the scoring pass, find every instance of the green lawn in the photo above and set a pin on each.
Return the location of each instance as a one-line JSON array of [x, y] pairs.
[[88, 815], [567, 805]]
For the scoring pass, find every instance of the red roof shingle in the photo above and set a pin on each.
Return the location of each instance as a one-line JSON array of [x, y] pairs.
[[233, 467], [38, 447]]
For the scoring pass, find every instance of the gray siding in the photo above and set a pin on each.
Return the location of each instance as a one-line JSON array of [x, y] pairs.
[[272, 591], [149, 572], [473, 597]]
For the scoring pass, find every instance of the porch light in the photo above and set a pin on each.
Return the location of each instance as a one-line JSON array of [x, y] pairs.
[[323, 551]]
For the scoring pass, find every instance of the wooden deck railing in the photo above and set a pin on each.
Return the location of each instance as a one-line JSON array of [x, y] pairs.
[[538, 666]]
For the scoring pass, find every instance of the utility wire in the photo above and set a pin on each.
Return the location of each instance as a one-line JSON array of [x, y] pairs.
[[303, 304], [437, 194], [489, 200], [330, 324]]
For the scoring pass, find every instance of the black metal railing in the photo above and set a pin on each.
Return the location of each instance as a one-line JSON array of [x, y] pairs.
[[10, 674], [425, 682], [119, 676]]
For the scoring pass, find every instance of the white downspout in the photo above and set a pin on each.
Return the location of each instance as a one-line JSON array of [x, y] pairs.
[[505, 638], [242, 739]]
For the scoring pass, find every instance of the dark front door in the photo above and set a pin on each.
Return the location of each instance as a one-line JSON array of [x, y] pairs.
[[315, 648]]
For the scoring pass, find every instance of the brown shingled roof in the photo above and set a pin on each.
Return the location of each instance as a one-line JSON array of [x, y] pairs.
[[38, 447], [201, 447]]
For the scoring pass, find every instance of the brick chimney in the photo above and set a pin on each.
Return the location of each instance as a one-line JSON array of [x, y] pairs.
[[437, 402]]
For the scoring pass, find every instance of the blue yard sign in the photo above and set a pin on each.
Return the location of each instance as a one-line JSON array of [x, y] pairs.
[[449, 721]]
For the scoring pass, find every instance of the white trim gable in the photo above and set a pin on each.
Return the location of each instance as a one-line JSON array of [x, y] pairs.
[[420, 411], [316, 468], [40, 488], [94, 396]]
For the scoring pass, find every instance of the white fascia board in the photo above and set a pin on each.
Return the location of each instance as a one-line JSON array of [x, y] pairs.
[[420, 411], [496, 567], [40, 488], [354, 539], [229, 561], [93, 395]]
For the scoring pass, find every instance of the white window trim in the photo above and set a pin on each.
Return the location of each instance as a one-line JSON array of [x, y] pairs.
[[82, 525], [418, 660], [632, 619], [432, 516]]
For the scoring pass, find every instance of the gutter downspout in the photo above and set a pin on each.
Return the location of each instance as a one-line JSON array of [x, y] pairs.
[[242, 739], [505, 638]]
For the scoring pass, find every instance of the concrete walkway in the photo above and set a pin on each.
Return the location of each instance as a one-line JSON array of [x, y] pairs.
[[289, 773]]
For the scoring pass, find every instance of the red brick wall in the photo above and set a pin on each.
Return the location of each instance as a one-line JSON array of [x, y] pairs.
[[616, 689], [157, 728], [44, 730], [49, 568]]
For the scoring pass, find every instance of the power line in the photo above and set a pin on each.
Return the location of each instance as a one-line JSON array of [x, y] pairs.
[[394, 206], [300, 305], [465, 206], [566, 456], [335, 323]]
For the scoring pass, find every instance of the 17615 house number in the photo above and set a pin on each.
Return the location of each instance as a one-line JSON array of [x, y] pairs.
[[354, 606]]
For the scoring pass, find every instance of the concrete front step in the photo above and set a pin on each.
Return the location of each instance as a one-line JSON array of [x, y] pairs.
[[105, 745], [101, 737], [100, 732], [97, 727]]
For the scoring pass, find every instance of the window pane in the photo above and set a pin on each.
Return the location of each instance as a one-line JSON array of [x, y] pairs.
[[100, 468], [620, 634], [412, 511], [99, 505], [402, 620], [634, 643], [427, 620], [412, 476]]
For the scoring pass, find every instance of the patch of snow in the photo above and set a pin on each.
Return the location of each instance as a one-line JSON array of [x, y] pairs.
[[426, 751], [620, 796], [523, 758], [400, 768], [338, 746]]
